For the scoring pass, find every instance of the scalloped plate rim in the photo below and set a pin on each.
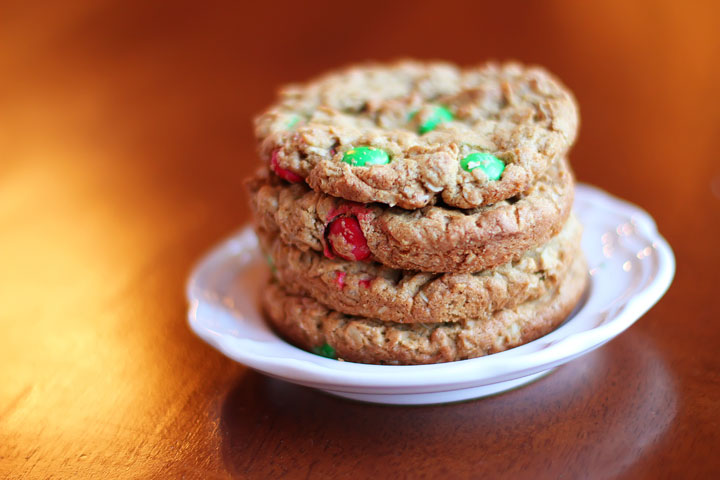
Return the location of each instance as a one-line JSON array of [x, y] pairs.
[[311, 370]]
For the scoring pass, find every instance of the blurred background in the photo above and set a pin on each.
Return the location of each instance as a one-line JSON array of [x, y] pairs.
[[126, 132], [152, 101]]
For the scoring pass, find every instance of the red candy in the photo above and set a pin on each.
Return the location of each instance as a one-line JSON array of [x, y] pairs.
[[365, 282], [349, 209], [340, 279], [283, 173], [346, 239]]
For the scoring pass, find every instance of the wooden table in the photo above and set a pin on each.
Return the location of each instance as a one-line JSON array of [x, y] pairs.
[[125, 133]]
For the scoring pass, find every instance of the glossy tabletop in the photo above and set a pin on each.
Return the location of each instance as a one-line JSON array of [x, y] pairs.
[[125, 134]]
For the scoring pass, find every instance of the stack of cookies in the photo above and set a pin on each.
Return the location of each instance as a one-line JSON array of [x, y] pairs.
[[418, 213]]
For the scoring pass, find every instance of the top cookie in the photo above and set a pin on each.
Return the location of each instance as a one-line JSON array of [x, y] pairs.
[[409, 133]]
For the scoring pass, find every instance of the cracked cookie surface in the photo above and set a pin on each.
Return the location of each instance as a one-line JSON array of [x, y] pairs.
[[312, 326], [371, 290], [431, 239], [426, 119]]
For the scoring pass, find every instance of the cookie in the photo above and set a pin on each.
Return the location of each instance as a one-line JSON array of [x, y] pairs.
[[410, 134], [371, 290], [310, 325], [431, 239]]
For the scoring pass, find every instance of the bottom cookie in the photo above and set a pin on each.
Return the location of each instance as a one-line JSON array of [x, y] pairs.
[[309, 325]]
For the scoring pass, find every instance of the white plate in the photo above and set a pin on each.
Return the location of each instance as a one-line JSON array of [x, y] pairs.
[[631, 267]]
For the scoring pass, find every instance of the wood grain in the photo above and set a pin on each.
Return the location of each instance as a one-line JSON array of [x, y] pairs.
[[125, 133]]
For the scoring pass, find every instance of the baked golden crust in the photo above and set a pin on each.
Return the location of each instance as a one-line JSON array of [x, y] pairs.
[[432, 239], [371, 290], [520, 114], [308, 324]]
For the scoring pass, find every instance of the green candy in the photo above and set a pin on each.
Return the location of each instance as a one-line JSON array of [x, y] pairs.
[[271, 263], [489, 164], [365, 156], [294, 119], [325, 351], [438, 116]]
